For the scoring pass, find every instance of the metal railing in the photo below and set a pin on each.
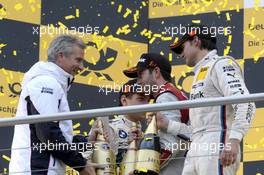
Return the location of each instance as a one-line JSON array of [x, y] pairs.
[[132, 109]]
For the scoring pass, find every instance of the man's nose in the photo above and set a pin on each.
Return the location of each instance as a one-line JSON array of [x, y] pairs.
[[81, 67]]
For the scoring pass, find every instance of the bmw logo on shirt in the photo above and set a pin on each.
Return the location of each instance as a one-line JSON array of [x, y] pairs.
[[122, 134]]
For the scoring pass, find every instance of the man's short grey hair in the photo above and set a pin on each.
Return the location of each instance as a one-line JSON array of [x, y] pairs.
[[64, 44]]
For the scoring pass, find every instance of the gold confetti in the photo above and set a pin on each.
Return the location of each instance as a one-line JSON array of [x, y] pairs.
[[225, 31], [101, 78], [75, 132], [18, 6], [228, 16], [13, 102], [179, 87], [252, 23], [136, 16], [62, 25], [197, 11], [170, 57], [256, 4], [110, 59], [91, 122], [196, 21], [102, 45], [161, 53], [166, 38], [183, 74], [93, 60], [6, 157], [141, 33], [230, 62], [129, 62], [85, 133], [237, 8], [226, 51], [157, 35], [14, 52], [44, 44], [105, 29], [249, 33], [257, 55], [229, 39], [128, 11], [248, 146], [152, 40], [69, 17], [216, 10], [148, 34], [77, 13], [176, 39], [112, 2], [33, 9], [2, 45], [4, 71], [76, 125], [119, 8], [143, 3], [135, 25]]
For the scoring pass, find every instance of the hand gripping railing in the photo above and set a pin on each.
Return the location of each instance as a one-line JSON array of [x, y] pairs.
[[132, 109]]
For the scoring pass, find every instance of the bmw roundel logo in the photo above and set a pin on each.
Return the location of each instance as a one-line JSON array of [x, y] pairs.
[[105, 146], [122, 134]]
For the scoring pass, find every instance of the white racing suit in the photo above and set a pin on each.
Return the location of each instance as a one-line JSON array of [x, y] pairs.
[[213, 126]]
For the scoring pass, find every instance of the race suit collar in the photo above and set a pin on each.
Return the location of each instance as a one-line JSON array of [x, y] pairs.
[[42, 68], [206, 57]]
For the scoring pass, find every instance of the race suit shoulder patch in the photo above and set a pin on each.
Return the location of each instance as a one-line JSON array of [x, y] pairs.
[[202, 73]]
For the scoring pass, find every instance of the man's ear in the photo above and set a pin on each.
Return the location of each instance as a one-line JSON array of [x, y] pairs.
[[157, 72], [59, 57], [196, 41], [123, 100]]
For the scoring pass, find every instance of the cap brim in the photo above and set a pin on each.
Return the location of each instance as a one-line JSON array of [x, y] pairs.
[[177, 47], [131, 72]]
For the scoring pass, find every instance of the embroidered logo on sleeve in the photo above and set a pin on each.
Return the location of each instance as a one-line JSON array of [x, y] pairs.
[[47, 90], [202, 73]]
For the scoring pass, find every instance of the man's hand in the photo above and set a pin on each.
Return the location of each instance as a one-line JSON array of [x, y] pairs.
[[134, 134], [229, 154], [95, 131], [162, 122]]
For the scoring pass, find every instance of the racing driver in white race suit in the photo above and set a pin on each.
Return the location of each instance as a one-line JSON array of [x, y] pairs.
[[216, 130]]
